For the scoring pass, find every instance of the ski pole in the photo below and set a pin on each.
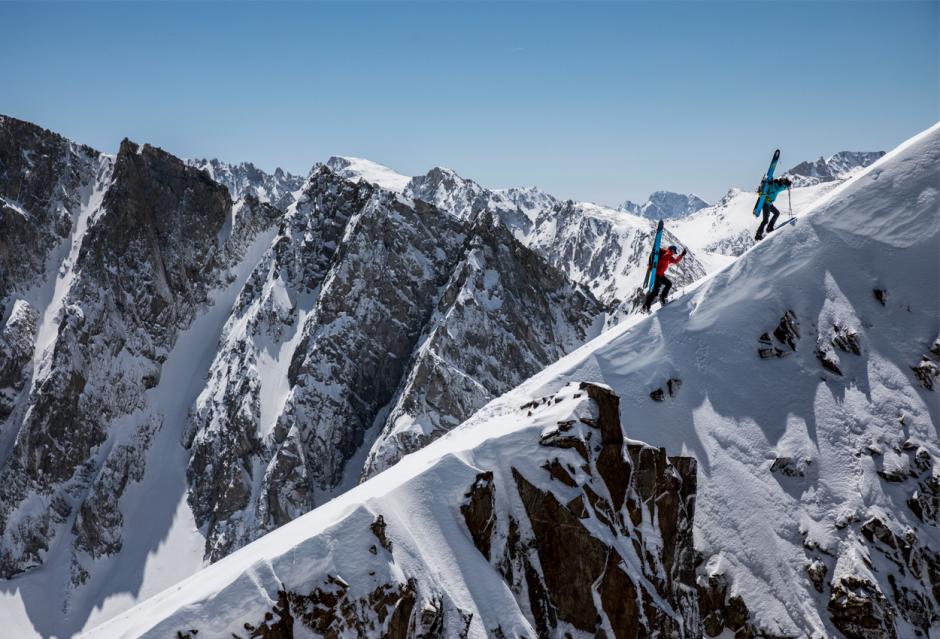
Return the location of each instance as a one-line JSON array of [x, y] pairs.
[[789, 201]]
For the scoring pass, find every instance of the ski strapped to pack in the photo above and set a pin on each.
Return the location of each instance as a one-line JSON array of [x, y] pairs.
[[765, 184], [650, 281]]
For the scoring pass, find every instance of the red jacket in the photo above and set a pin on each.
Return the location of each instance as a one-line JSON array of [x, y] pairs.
[[666, 259]]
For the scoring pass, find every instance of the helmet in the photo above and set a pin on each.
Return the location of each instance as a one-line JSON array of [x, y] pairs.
[[673, 248]]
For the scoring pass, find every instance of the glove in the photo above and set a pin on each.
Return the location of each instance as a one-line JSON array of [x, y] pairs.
[[684, 251]]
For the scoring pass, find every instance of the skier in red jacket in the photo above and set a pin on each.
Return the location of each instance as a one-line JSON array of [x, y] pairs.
[[667, 257]]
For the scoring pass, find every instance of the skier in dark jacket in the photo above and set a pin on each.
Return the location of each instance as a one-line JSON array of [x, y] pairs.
[[775, 188], [667, 257]]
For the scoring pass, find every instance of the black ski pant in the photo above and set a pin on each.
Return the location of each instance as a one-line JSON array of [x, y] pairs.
[[662, 282], [767, 210]]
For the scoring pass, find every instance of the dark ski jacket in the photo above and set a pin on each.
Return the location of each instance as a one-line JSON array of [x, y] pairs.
[[666, 259]]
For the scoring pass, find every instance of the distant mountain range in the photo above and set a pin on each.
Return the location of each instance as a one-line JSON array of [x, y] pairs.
[[837, 167], [665, 205]]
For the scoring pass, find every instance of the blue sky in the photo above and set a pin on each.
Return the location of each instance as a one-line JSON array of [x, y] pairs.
[[594, 101]]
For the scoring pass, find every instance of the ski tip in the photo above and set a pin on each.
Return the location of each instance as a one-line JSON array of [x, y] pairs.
[[777, 154]]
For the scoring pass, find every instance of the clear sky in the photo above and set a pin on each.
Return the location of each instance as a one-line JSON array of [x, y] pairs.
[[593, 101]]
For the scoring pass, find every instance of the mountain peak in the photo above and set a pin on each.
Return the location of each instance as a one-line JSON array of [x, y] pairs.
[[353, 168]]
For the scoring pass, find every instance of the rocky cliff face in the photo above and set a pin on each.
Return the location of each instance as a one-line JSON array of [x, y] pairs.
[[44, 182], [503, 314], [16, 354], [156, 246], [600, 248], [365, 308], [564, 528]]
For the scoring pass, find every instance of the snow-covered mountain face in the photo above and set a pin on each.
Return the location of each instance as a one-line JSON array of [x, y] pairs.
[[802, 380], [726, 229], [181, 373], [373, 323], [665, 205], [838, 167], [43, 184], [543, 522], [601, 248], [277, 189], [152, 237]]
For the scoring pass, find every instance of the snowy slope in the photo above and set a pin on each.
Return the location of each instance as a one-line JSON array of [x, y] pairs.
[[607, 251], [457, 542], [818, 463], [726, 229], [356, 169]]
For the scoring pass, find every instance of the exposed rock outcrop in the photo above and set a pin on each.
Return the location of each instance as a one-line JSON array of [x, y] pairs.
[[787, 334], [584, 580], [16, 350], [927, 371], [593, 538]]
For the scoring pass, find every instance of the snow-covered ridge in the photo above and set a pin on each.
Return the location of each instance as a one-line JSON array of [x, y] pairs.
[[372, 172], [495, 566]]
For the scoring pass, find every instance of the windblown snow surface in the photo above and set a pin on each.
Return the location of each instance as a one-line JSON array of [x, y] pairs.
[[736, 413], [726, 229], [361, 169]]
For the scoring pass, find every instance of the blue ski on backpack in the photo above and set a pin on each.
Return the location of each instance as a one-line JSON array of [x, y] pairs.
[[650, 280], [765, 184]]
